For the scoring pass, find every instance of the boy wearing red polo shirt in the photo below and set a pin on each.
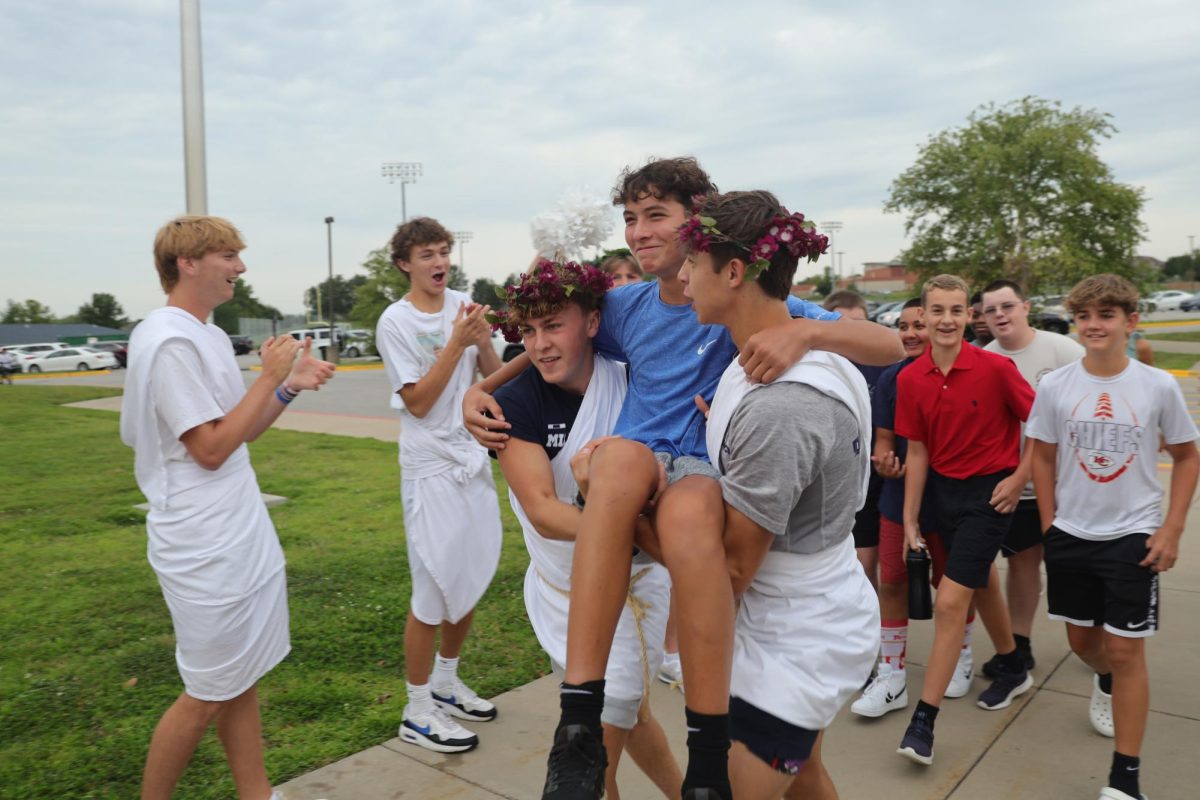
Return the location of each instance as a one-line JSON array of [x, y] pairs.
[[961, 409]]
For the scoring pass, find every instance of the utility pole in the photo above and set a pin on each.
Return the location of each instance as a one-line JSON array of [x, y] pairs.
[[194, 171], [334, 351], [832, 227], [462, 237]]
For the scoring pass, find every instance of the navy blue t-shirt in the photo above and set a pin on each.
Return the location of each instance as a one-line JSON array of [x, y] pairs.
[[883, 414], [539, 412]]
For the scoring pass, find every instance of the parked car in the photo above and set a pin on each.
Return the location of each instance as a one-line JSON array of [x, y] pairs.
[[358, 342], [1054, 319], [1169, 299], [118, 349], [25, 353], [320, 337], [873, 315], [890, 317], [1191, 304], [241, 345], [72, 358]]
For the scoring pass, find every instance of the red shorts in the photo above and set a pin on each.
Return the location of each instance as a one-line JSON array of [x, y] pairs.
[[891, 553]]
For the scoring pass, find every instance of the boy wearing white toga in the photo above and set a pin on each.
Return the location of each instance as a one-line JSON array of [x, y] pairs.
[[188, 416], [573, 397], [431, 341]]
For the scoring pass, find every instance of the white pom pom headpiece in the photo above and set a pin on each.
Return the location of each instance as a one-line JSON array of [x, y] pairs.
[[579, 221]]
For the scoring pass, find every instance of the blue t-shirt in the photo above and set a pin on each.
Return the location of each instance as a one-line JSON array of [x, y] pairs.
[[883, 414], [539, 412], [671, 358]]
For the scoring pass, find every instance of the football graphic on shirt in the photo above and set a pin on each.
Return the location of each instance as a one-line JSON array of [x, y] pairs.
[[1105, 435]]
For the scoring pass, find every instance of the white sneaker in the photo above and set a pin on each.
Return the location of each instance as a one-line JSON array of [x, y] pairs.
[[458, 700], [671, 673], [887, 691], [435, 731], [1109, 793], [964, 672], [1100, 709]]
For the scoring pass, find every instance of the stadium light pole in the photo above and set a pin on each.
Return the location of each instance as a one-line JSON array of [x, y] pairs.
[[462, 237], [406, 172], [194, 170], [334, 351], [832, 227]]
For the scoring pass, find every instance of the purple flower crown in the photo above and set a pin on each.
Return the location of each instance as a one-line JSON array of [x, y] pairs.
[[544, 290], [788, 230]]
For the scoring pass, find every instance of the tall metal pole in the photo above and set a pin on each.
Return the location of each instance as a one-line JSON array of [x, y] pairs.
[[403, 202], [334, 351], [462, 237], [406, 172], [193, 108]]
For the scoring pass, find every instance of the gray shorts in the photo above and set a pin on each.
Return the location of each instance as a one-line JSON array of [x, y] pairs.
[[682, 466], [617, 712]]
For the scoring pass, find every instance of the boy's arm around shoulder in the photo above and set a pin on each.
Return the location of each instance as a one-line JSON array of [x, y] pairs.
[[770, 352]]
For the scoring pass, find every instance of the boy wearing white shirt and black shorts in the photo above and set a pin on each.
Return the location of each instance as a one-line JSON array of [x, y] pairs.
[[1096, 426]]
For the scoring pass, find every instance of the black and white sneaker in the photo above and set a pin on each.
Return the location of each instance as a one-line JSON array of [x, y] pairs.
[[435, 731], [991, 668], [575, 770], [458, 700], [1004, 688], [917, 744]]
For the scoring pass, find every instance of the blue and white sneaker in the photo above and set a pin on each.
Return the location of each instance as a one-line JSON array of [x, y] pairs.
[[435, 731], [1004, 688], [458, 700]]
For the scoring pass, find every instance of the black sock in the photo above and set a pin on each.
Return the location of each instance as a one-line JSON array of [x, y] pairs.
[[929, 712], [708, 751], [582, 704], [1124, 774], [1024, 645], [1012, 661], [1105, 682]]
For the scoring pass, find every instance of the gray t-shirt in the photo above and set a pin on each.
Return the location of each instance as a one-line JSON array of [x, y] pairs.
[[792, 462]]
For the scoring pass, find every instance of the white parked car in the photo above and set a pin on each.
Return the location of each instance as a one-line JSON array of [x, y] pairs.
[[1169, 299], [70, 359], [891, 317]]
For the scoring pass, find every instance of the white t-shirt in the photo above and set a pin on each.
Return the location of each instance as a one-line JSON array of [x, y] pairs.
[[410, 341], [1047, 352], [182, 399], [1107, 433]]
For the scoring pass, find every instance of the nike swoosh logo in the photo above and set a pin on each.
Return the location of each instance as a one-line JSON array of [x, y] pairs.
[[700, 350], [1141, 624], [425, 730]]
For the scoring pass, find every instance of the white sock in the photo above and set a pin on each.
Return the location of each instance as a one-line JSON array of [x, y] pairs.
[[445, 671], [966, 645], [671, 659], [420, 701]]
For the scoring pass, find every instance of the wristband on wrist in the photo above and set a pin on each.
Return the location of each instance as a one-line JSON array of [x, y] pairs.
[[580, 502], [286, 394]]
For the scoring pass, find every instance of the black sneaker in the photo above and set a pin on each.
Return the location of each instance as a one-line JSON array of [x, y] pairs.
[[576, 765], [704, 793], [991, 668], [1004, 688], [917, 744]]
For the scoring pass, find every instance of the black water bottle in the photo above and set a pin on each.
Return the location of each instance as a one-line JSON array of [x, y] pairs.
[[920, 598]]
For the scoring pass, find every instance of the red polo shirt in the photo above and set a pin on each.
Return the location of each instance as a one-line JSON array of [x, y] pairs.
[[969, 419]]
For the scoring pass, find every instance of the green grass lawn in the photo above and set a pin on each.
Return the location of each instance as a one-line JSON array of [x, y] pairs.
[[1178, 336], [1164, 360], [87, 663]]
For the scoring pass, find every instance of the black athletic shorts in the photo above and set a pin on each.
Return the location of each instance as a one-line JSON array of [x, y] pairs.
[[782, 746], [866, 521], [972, 530], [1090, 583], [1026, 530]]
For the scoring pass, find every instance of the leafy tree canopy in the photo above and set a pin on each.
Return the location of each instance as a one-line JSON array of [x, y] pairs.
[[243, 304], [385, 284], [1019, 192], [102, 309], [31, 312], [1182, 268], [343, 295]]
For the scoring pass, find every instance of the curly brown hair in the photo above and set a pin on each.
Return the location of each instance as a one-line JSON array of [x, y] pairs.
[[678, 179], [416, 232]]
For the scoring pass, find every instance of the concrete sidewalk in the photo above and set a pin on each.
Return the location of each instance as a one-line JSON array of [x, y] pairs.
[[1040, 747]]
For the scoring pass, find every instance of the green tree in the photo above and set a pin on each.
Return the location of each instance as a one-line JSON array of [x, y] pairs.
[[103, 309], [458, 279], [343, 295], [31, 312], [1019, 192], [385, 284], [243, 304], [484, 291], [1182, 268]]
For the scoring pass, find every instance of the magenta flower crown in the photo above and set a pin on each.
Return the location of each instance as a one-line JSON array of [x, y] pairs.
[[788, 230], [544, 290]]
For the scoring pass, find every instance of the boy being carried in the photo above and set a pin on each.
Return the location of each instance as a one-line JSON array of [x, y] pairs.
[[1095, 429], [431, 341], [572, 398]]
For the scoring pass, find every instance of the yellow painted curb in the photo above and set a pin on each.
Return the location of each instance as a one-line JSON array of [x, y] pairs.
[[30, 376], [1184, 373]]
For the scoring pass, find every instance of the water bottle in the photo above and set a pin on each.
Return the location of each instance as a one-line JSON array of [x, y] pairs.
[[920, 597]]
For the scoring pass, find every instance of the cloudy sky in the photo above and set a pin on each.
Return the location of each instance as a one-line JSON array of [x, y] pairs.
[[510, 104]]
